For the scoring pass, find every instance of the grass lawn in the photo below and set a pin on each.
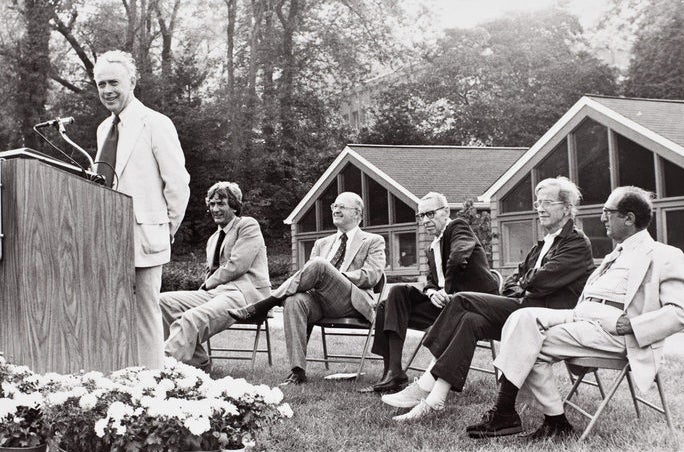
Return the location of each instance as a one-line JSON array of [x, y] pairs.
[[332, 416]]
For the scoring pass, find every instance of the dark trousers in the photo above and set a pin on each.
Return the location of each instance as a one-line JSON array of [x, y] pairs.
[[405, 307], [468, 318]]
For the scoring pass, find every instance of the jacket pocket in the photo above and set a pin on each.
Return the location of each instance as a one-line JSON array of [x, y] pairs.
[[154, 231]]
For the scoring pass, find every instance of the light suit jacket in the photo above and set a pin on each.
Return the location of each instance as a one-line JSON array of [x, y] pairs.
[[655, 307], [150, 167], [363, 265], [243, 262]]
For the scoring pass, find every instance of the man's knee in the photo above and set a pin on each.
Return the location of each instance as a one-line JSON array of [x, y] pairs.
[[398, 295]]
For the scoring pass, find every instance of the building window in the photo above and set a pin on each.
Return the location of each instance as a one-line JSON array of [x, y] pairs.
[[405, 244], [556, 163], [635, 164], [377, 203], [328, 197], [305, 247], [402, 212], [674, 175], [595, 231], [674, 220], [591, 142], [308, 221], [520, 198], [351, 177], [517, 240]]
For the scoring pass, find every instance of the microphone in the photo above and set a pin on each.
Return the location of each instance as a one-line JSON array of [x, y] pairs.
[[55, 122]]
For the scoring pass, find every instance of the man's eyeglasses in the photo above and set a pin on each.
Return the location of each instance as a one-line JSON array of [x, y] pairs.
[[430, 214], [545, 203], [607, 211], [334, 206]]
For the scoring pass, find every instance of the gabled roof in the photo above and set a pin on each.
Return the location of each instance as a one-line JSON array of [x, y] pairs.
[[409, 172], [654, 123]]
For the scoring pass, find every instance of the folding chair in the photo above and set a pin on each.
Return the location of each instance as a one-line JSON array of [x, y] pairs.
[[349, 323], [582, 366], [487, 344], [241, 353]]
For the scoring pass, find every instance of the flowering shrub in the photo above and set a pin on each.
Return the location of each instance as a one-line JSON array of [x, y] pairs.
[[21, 420], [177, 408]]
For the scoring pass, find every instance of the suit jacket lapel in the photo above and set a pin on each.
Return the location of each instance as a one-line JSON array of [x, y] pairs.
[[354, 247], [639, 270], [326, 243]]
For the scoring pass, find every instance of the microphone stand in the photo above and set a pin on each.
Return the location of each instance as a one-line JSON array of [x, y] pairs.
[[62, 132]]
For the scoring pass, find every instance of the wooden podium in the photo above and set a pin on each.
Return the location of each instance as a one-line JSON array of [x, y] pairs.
[[66, 271]]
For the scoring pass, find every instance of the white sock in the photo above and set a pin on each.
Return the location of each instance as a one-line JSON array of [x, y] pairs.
[[426, 381], [438, 395]]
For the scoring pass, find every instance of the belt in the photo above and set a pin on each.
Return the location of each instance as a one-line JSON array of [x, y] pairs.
[[614, 304]]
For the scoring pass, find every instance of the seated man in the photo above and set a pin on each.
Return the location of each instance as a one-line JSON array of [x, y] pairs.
[[631, 303], [457, 262], [337, 281], [552, 275], [237, 273]]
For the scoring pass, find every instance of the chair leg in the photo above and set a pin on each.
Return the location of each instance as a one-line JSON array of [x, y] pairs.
[[364, 353], [414, 354], [599, 384], [325, 348], [492, 347], [604, 403], [209, 347], [256, 344], [268, 343], [630, 384]]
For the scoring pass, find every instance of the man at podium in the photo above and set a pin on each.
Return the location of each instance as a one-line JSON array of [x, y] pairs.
[[237, 274], [139, 154]]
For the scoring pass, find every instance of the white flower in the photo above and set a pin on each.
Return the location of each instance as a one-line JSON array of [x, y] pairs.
[[273, 396], [58, 398], [166, 384], [88, 401], [285, 410], [197, 425], [7, 407], [32, 400], [186, 382], [118, 410], [100, 426]]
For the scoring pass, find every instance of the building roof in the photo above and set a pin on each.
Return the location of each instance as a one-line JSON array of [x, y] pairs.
[[664, 117], [656, 121], [409, 172], [457, 172]]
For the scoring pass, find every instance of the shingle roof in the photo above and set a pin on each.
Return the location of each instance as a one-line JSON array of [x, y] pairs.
[[457, 172], [664, 117]]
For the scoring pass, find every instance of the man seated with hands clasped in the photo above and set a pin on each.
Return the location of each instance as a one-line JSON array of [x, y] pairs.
[[552, 275], [457, 261], [631, 303]]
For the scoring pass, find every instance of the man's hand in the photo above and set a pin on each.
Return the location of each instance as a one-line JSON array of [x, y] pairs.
[[439, 298], [623, 325]]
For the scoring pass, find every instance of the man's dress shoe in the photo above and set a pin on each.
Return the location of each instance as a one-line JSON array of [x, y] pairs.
[[392, 382], [295, 378]]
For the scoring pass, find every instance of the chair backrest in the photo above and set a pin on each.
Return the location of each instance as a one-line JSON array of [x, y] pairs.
[[499, 279]]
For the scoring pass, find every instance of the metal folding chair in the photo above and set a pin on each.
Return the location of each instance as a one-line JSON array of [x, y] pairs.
[[346, 324], [245, 353], [487, 344], [582, 366]]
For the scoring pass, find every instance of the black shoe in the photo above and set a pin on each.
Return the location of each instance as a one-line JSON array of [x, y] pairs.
[[295, 378], [256, 312], [552, 430], [242, 314], [391, 382], [496, 424]]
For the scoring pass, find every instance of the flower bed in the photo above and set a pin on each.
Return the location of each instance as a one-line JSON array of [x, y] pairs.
[[177, 408]]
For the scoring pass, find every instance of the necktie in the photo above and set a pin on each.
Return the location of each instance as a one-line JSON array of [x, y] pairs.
[[338, 258], [217, 251], [610, 259], [107, 161]]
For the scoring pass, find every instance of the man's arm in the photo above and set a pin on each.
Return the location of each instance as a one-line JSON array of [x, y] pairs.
[[369, 274], [171, 162], [461, 246], [242, 254]]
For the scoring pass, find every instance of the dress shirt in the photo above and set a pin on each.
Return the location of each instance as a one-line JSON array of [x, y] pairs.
[[548, 241], [611, 281], [436, 247], [336, 244]]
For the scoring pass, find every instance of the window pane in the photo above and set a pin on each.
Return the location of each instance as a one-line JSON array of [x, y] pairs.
[[406, 244], [328, 198], [636, 164], [674, 177], [520, 198], [591, 140], [601, 244], [556, 164], [402, 212], [517, 240], [377, 203], [352, 179], [308, 221], [306, 247], [675, 228]]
